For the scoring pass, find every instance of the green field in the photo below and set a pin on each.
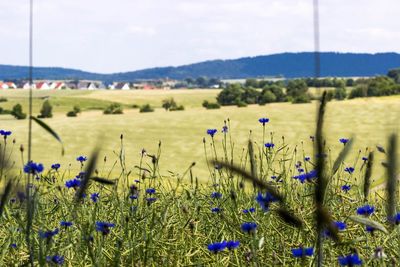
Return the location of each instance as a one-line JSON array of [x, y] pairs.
[[369, 120]]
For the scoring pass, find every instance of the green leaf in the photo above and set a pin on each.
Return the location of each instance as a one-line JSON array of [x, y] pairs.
[[368, 222], [50, 131], [342, 155], [260, 243]]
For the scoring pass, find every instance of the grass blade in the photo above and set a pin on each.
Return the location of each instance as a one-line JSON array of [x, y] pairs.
[[256, 181], [342, 155], [88, 173], [368, 222], [367, 177], [391, 176], [253, 166], [4, 197], [50, 131], [103, 180]]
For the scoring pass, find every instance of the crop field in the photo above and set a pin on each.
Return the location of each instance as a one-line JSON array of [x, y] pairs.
[[369, 120], [146, 204]]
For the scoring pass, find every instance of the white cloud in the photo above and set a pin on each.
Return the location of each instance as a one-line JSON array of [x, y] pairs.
[[121, 35]]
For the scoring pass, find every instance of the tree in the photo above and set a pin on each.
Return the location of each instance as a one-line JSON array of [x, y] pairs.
[[250, 95], [266, 97], [251, 83], [277, 90], [47, 110], [114, 108], [231, 95], [296, 88], [340, 93], [394, 74], [168, 104], [17, 112]]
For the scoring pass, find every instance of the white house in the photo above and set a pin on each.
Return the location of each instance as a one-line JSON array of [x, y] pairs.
[[42, 86]]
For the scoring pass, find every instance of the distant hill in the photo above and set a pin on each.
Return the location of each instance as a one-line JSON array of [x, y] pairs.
[[289, 65]]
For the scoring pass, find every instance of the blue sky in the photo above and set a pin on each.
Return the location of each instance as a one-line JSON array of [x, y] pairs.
[[122, 35]]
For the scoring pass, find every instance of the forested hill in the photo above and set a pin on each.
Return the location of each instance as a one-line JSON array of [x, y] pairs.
[[288, 65]]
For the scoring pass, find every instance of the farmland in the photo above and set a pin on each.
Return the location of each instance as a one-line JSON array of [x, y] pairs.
[[369, 120]]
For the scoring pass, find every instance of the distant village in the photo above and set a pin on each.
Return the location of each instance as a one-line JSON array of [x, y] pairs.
[[162, 84]]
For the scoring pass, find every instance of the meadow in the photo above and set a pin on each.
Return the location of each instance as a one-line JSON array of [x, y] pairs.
[[181, 132], [146, 203]]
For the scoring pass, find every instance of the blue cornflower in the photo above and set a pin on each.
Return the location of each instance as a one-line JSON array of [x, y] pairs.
[[346, 188], [340, 226], [104, 227], [343, 140], [212, 132], [249, 227], [273, 177], [150, 191], [56, 259], [13, 245], [306, 176], [151, 200], [80, 175], [370, 229], [66, 224], [137, 181], [364, 159], [263, 121], [395, 219], [215, 210], [265, 200], [33, 168], [217, 247], [300, 170], [74, 183], [307, 158], [216, 195], [48, 234], [365, 210], [349, 170], [350, 260], [94, 197], [232, 244], [269, 145], [251, 210], [55, 166], [81, 159], [302, 252], [133, 197], [224, 129], [5, 133]]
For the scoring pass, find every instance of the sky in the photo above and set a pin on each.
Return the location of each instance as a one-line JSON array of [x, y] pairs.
[[124, 35]]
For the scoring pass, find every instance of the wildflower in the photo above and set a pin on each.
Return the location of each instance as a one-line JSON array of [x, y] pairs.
[[217, 247], [133, 197], [300, 170], [249, 227], [66, 224], [269, 145], [302, 252], [350, 260], [379, 254], [365, 210], [346, 188], [5, 133], [56, 259], [94, 197], [232, 244], [340, 226], [13, 245], [33, 168], [216, 195], [263, 121], [265, 200], [81, 159], [74, 183], [215, 210], [343, 140], [370, 229], [307, 158], [151, 200], [80, 175], [273, 177], [21, 196], [48, 234], [364, 159], [395, 219], [55, 166], [150, 191], [137, 181], [224, 129], [306, 176], [349, 170], [251, 210], [104, 227], [212, 132]]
